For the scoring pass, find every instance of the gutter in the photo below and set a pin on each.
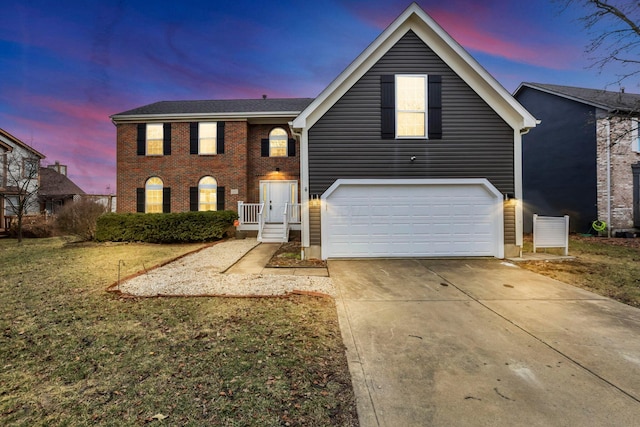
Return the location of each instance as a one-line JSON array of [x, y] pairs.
[[137, 118]]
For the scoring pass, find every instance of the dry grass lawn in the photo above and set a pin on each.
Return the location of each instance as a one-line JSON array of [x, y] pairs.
[[72, 354]]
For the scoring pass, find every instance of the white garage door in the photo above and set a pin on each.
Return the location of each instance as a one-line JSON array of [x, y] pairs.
[[412, 218]]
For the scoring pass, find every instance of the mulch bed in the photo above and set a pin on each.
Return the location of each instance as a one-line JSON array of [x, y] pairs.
[[288, 256]]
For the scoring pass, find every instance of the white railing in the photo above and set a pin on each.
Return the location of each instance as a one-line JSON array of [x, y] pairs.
[[249, 213], [285, 220], [295, 213], [260, 220]]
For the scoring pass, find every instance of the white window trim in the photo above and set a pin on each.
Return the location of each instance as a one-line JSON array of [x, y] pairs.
[[635, 143], [215, 145], [153, 187], [202, 186], [146, 142], [426, 106], [286, 146]]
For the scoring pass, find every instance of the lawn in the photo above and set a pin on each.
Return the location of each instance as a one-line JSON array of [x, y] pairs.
[[72, 354], [609, 267]]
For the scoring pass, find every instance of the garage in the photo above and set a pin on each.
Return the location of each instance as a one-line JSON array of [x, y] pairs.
[[366, 218]]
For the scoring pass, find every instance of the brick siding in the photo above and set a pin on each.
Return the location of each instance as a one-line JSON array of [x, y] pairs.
[[240, 167], [622, 157]]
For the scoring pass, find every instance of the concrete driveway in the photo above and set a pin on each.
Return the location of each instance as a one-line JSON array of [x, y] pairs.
[[482, 342]]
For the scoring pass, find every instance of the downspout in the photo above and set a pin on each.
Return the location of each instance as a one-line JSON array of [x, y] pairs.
[[608, 128], [304, 198]]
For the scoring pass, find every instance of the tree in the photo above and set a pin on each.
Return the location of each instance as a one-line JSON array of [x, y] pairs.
[[614, 27], [79, 218], [21, 185]]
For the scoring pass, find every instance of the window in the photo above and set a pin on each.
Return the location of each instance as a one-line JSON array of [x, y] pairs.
[[635, 135], [207, 133], [278, 140], [411, 106], [155, 138], [153, 195], [207, 194]]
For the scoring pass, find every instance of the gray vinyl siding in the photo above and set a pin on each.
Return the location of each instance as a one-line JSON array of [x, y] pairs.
[[346, 142]]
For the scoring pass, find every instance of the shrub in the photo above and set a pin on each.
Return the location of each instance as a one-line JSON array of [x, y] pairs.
[[79, 218], [33, 226], [164, 228]]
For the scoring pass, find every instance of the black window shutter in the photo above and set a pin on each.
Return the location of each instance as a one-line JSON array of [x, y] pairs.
[[166, 199], [387, 106], [220, 198], [193, 138], [291, 148], [434, 117], [142, 139], [193, 199], [140, 200], [264, 148], [166, 143], [220, 138]]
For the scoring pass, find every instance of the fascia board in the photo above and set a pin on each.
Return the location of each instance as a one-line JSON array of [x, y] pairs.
[[562, 95], [10, 139], [210, 116]]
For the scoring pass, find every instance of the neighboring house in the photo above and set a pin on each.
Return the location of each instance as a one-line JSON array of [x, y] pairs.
[[56, 189], [413, 150], [584, 160], [19, 178]]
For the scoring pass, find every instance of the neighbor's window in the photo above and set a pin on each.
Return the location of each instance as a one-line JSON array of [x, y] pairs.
[[411, 106], [153, 195], [207, 194], [207, 133], [155, 136], [278, 139]]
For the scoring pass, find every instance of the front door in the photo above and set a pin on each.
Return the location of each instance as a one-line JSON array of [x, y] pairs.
[[274, 195]]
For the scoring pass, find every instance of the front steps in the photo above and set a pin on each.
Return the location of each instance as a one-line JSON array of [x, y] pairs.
[[273, 233]]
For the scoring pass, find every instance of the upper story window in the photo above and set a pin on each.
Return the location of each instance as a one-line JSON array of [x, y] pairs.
[[206, 138], [153, 195], [155, 138], [207, 133], [278, 140], [207, 194], [30, 168], [411, 106], [635, 135]]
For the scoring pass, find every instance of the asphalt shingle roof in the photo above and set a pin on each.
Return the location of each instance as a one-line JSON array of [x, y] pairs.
[[221, 106], [608, 100], [53, 184]]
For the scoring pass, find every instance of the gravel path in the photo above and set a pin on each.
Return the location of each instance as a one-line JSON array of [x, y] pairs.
[[201, 274]]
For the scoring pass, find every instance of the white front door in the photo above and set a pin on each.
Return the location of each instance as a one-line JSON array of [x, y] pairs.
[[274, 195]]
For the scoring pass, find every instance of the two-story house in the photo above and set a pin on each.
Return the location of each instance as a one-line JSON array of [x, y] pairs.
[[19, 178], [414, 150], [178, 156]]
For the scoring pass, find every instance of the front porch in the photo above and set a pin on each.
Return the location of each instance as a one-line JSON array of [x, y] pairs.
[[273, 224]]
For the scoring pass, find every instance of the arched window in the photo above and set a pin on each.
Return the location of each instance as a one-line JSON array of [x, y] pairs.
[[278, 139], [153, 195], [207, 194]]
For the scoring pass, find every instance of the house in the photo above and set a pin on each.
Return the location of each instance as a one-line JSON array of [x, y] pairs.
[[177, 156], [56, 189], [413, 150], [585, 160], [19, 178]]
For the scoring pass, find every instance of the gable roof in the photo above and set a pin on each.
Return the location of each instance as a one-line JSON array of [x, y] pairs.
[[54, 184], [6, 139], [220, 108], [606, 100], [438, 40]]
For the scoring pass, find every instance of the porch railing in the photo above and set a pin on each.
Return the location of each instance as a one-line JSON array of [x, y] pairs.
[[249, 213]]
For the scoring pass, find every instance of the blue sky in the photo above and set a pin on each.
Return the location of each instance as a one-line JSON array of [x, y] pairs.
[[65, 66]]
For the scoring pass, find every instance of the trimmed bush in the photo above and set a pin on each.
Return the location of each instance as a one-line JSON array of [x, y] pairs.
[[164, 228]]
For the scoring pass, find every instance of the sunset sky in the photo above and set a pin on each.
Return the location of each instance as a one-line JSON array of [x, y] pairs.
[[66, 66]]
